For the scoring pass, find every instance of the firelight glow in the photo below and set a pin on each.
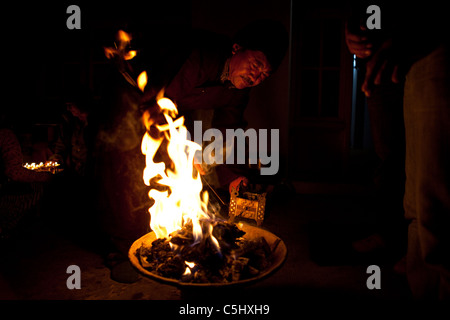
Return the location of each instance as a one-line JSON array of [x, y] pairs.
[[184, 202]]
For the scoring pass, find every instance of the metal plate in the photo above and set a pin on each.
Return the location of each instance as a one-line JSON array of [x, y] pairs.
[[251, 232]]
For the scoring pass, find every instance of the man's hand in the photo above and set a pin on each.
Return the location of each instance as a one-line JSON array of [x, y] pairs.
[[235, 183], [384, 65], [358, 44]]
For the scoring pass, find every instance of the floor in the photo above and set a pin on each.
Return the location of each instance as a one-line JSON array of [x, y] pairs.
[[320, 265]]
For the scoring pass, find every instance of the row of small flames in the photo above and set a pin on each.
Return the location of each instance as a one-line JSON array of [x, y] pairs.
[[42, 166]]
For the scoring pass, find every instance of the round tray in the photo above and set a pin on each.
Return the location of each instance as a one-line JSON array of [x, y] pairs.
[[251, 232]]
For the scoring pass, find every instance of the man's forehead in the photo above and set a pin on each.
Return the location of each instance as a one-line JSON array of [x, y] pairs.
[[260, 57]]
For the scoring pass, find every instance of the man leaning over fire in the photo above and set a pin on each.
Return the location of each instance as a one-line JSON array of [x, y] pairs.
[[213, 84]]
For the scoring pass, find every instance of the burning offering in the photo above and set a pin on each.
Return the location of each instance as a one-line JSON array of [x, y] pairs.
[[240, 258], [188, 244], [253, 256]]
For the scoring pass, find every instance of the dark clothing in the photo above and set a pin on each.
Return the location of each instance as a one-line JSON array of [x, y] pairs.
[[427, 191], [385, 107]]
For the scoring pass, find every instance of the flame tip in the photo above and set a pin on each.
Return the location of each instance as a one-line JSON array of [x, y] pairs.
[[142, 80], [186, 202]]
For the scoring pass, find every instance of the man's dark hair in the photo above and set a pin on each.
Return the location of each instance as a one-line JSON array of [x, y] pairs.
[[268, 36]]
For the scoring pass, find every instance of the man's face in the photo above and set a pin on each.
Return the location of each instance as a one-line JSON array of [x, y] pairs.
[[248, 68]]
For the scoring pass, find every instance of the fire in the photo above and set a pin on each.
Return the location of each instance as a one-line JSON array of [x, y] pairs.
[[142, 80], [183, 202], [123, 38], [121, 47], [47, 166], [129, 55], [189, 266]]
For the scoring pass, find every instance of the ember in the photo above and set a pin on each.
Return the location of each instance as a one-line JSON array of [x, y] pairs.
[[181, 259]]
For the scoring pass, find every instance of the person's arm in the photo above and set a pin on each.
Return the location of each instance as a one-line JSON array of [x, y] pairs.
[[407, 34]]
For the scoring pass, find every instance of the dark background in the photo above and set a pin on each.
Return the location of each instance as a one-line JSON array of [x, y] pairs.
[[323, 137]]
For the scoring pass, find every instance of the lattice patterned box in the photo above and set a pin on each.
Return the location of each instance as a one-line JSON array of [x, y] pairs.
[[249, 205]]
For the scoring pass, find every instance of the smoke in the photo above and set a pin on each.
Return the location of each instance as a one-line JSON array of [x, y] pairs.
[[121, 128]]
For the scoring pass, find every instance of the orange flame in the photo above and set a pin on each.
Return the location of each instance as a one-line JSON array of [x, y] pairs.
[[129, 55], [123, 38], [121, 47], [142, 80], [185, 202]]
